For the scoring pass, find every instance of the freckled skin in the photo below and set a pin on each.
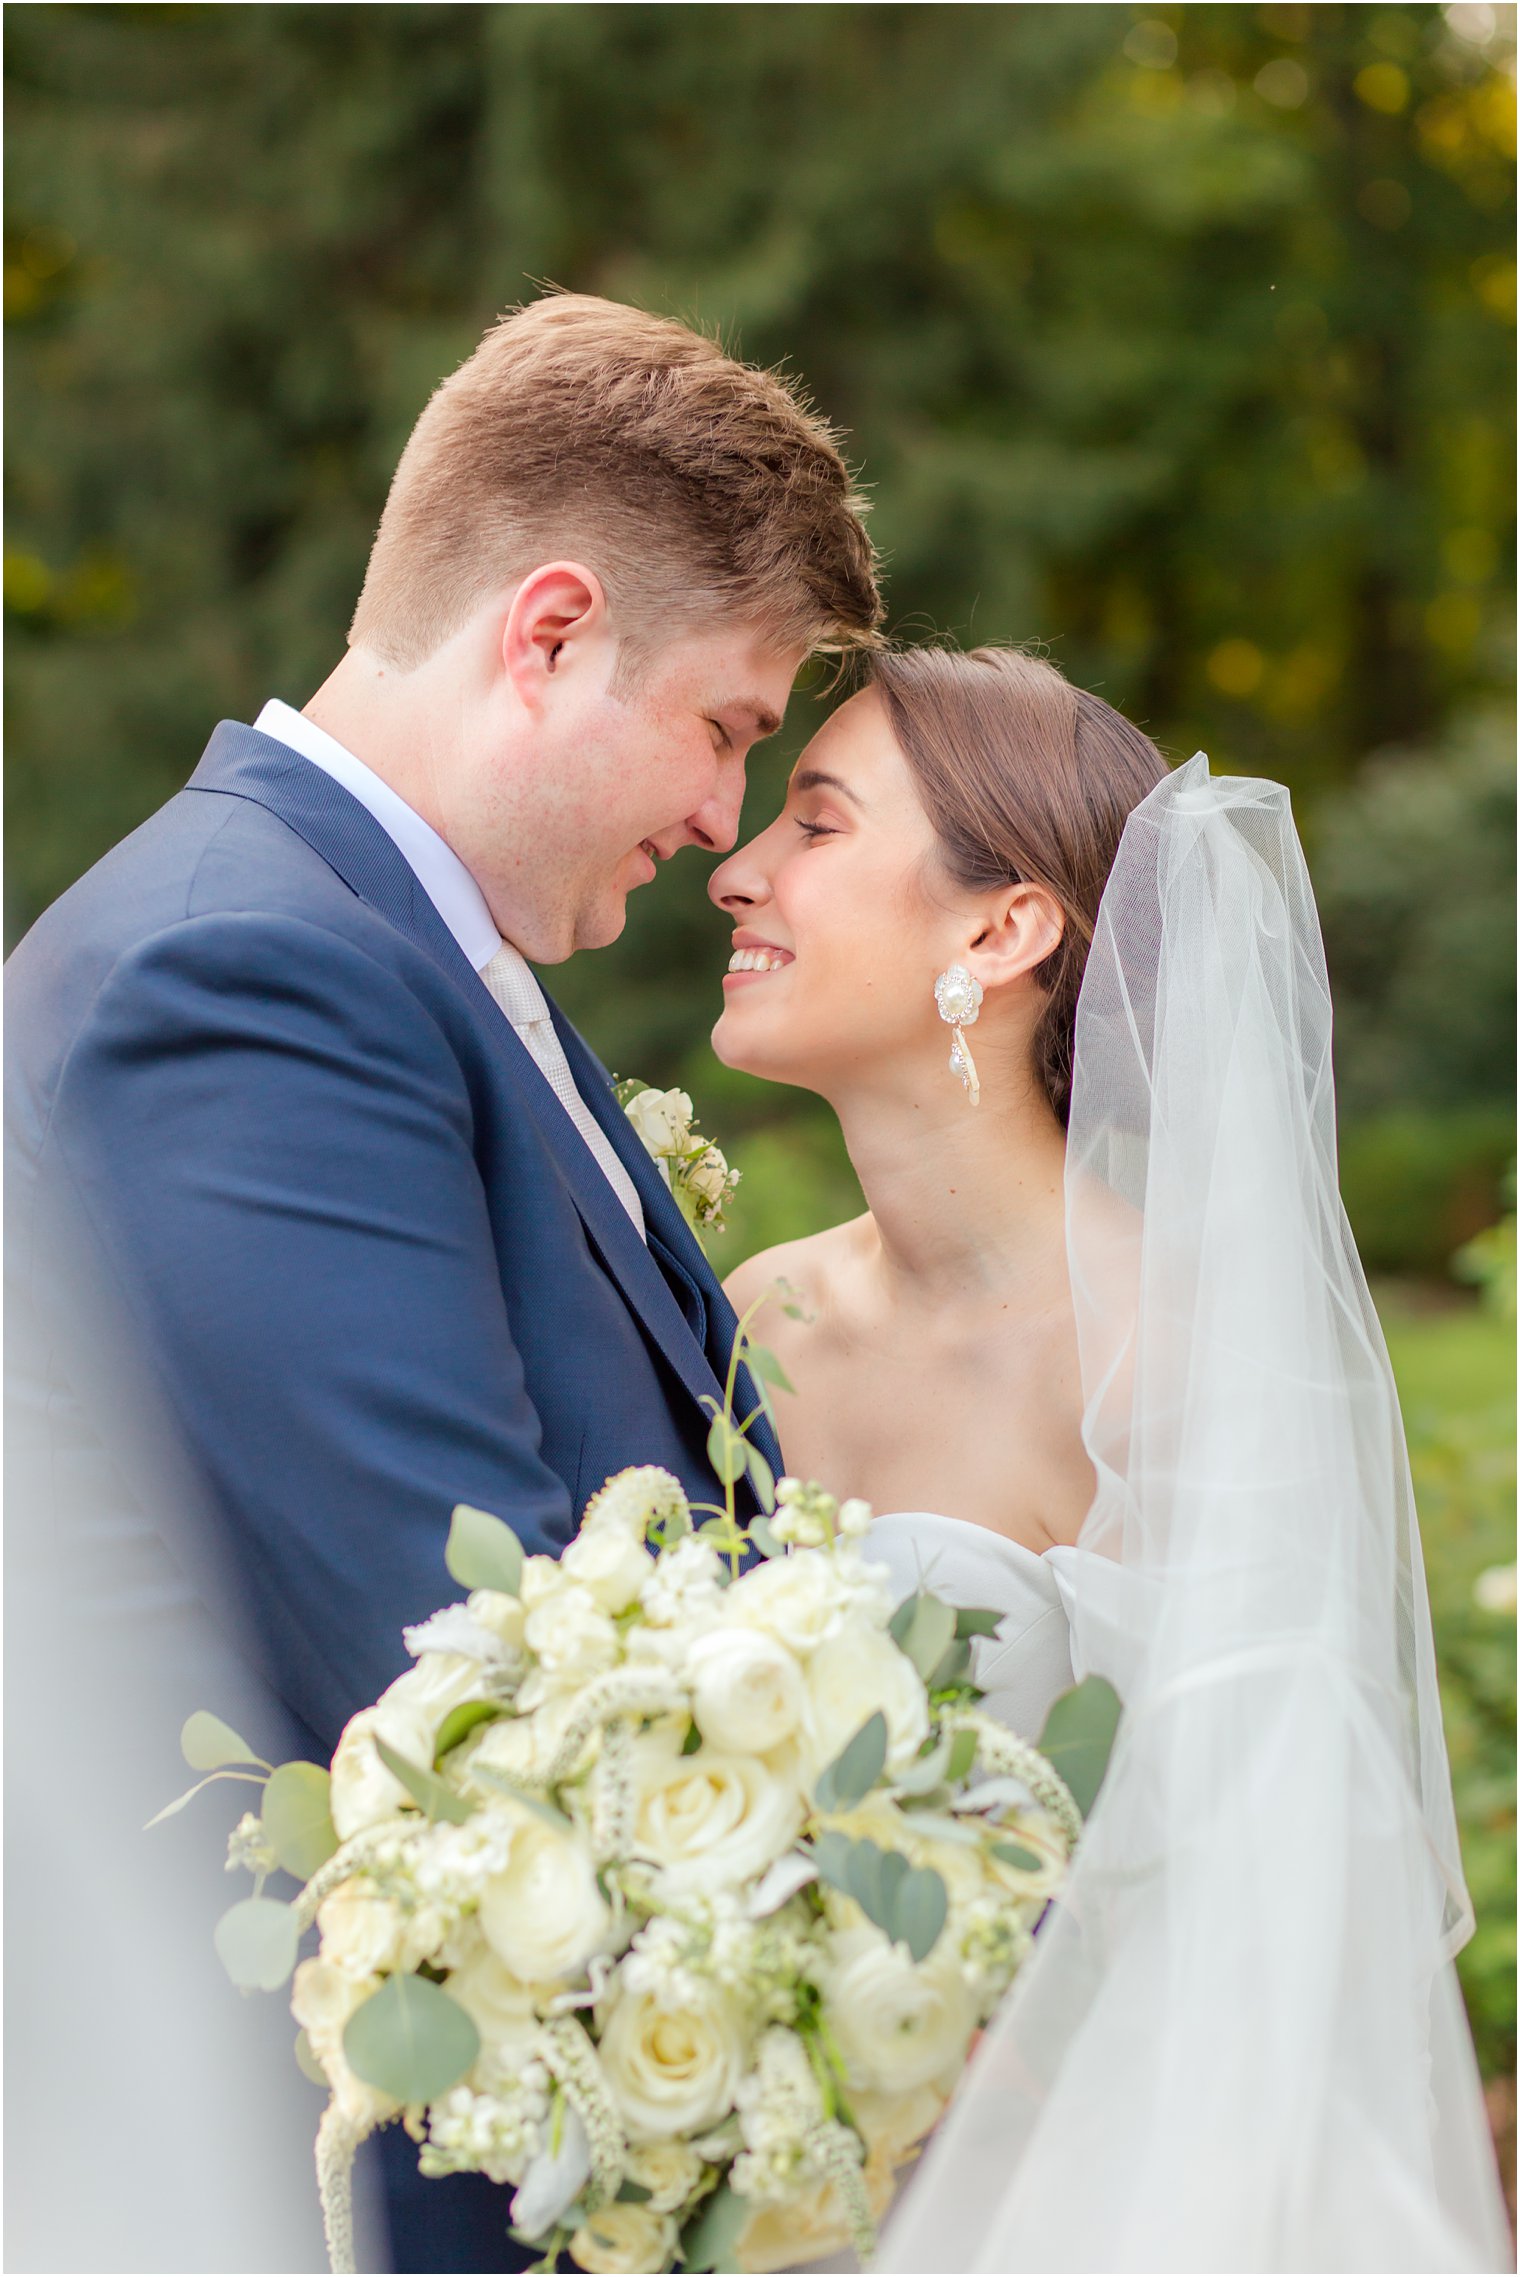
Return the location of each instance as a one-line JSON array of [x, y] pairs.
[[938, 1366]]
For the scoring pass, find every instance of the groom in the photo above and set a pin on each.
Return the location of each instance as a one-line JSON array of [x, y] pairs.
[[322, 1217]]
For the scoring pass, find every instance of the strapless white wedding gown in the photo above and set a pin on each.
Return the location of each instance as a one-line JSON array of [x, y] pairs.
[[1021, 1669], [1028, 1662]]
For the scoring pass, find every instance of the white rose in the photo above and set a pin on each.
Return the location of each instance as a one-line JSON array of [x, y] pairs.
[[672, 2071], [898, 2025], [802, 1600], [747, 1690], [499, 2005], [322, 1999], [610, 1561], [571, 1636], [362, 1932], [850, 1677], [544, 1915], [663, 1120], [709, 1820], [669, 2171], [363, 1793], [623, 2238]]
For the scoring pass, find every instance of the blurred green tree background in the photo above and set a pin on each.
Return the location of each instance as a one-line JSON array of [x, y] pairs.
[[1177, 337]]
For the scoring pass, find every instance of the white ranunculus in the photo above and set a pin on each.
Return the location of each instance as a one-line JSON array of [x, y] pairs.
[[672, 2070], [362, 1931], [544, 1916], [711, 1820], [610, 1561], [541, 1579], [669, 2171], [898, 2024], [322, 1999], [799, 1599], [571, 1636], [850, 1677], [435, 1683], [501, 1614], [363, 1793], [622, 2239], [663, 1120], [499, 2005], [747, 1689]]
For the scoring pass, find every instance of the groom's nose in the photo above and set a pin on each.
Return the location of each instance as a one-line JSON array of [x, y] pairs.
[[715, 823]]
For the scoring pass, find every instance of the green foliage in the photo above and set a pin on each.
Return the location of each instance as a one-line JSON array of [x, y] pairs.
[[430, 1793], [710, 2237], [855, 1770], [483, 1552], [1418, 1182], [256, 1942], [1079, 1735], [297, 1818], [411, 2040], [905, 1902], [207, 1744], [1456, 1371]]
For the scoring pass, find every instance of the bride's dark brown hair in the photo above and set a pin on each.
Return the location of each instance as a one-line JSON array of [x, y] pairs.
[[1026, 780]]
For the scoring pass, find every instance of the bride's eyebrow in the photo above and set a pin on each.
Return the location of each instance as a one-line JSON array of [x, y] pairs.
[[814, 779]]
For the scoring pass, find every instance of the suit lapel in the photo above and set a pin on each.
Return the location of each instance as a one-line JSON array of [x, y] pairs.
[[242, 763]]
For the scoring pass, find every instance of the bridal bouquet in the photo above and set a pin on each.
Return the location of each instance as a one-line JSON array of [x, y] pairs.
[[607, 1912]]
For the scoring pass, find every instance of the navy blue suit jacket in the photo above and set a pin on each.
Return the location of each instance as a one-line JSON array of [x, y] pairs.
[[302, 1250]]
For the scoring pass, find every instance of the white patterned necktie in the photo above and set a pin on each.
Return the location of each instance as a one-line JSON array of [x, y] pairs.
[[512, 984]]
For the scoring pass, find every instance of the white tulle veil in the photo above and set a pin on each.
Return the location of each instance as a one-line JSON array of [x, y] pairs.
[[1240, 2043]]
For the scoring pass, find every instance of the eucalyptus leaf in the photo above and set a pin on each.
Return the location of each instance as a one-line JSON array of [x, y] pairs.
[[952, 1666], [483, 1552], [633, 2193], [692, 1741], [764, 1540], [856, 1769], [920, 1911], [1078, 1738], [425, 1787], [876, 1876], [411, 2040], [711, 2236], [940, 1824], [726, 1451], [460, 1722], [977, 1621], [298, 1818], [256, 1942], [765, 1367], [962, 1757], [930, 1632], [831, 1855], [903, 1618], [762, 1477], [207, 1744]]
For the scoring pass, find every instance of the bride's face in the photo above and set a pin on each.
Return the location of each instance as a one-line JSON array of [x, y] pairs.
[[843, 917]]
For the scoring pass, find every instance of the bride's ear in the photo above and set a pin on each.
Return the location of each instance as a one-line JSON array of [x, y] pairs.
[[1021, 929]]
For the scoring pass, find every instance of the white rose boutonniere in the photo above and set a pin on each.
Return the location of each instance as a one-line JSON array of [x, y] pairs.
[[695, 1170]]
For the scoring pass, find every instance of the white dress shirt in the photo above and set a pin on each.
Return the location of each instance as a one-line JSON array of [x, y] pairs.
[[462, 906]]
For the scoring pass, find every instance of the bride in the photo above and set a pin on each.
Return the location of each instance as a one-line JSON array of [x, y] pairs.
[[1101, 1350]]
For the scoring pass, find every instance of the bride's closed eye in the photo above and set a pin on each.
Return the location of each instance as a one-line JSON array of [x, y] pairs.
[[814, 829]]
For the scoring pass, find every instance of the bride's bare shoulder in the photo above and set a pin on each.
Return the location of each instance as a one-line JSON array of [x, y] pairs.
[[807, 1268]]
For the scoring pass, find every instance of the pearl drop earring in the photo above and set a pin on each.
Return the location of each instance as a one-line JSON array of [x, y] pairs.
[[958, 994]]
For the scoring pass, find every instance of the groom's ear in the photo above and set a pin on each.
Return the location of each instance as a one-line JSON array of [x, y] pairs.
[[558, 619], [1020, 930]]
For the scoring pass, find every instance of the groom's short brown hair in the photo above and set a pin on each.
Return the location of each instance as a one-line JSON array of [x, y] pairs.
[[694, 485]]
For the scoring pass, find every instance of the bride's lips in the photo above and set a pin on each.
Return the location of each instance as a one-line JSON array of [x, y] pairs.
[[644, 853], [756, 959]]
